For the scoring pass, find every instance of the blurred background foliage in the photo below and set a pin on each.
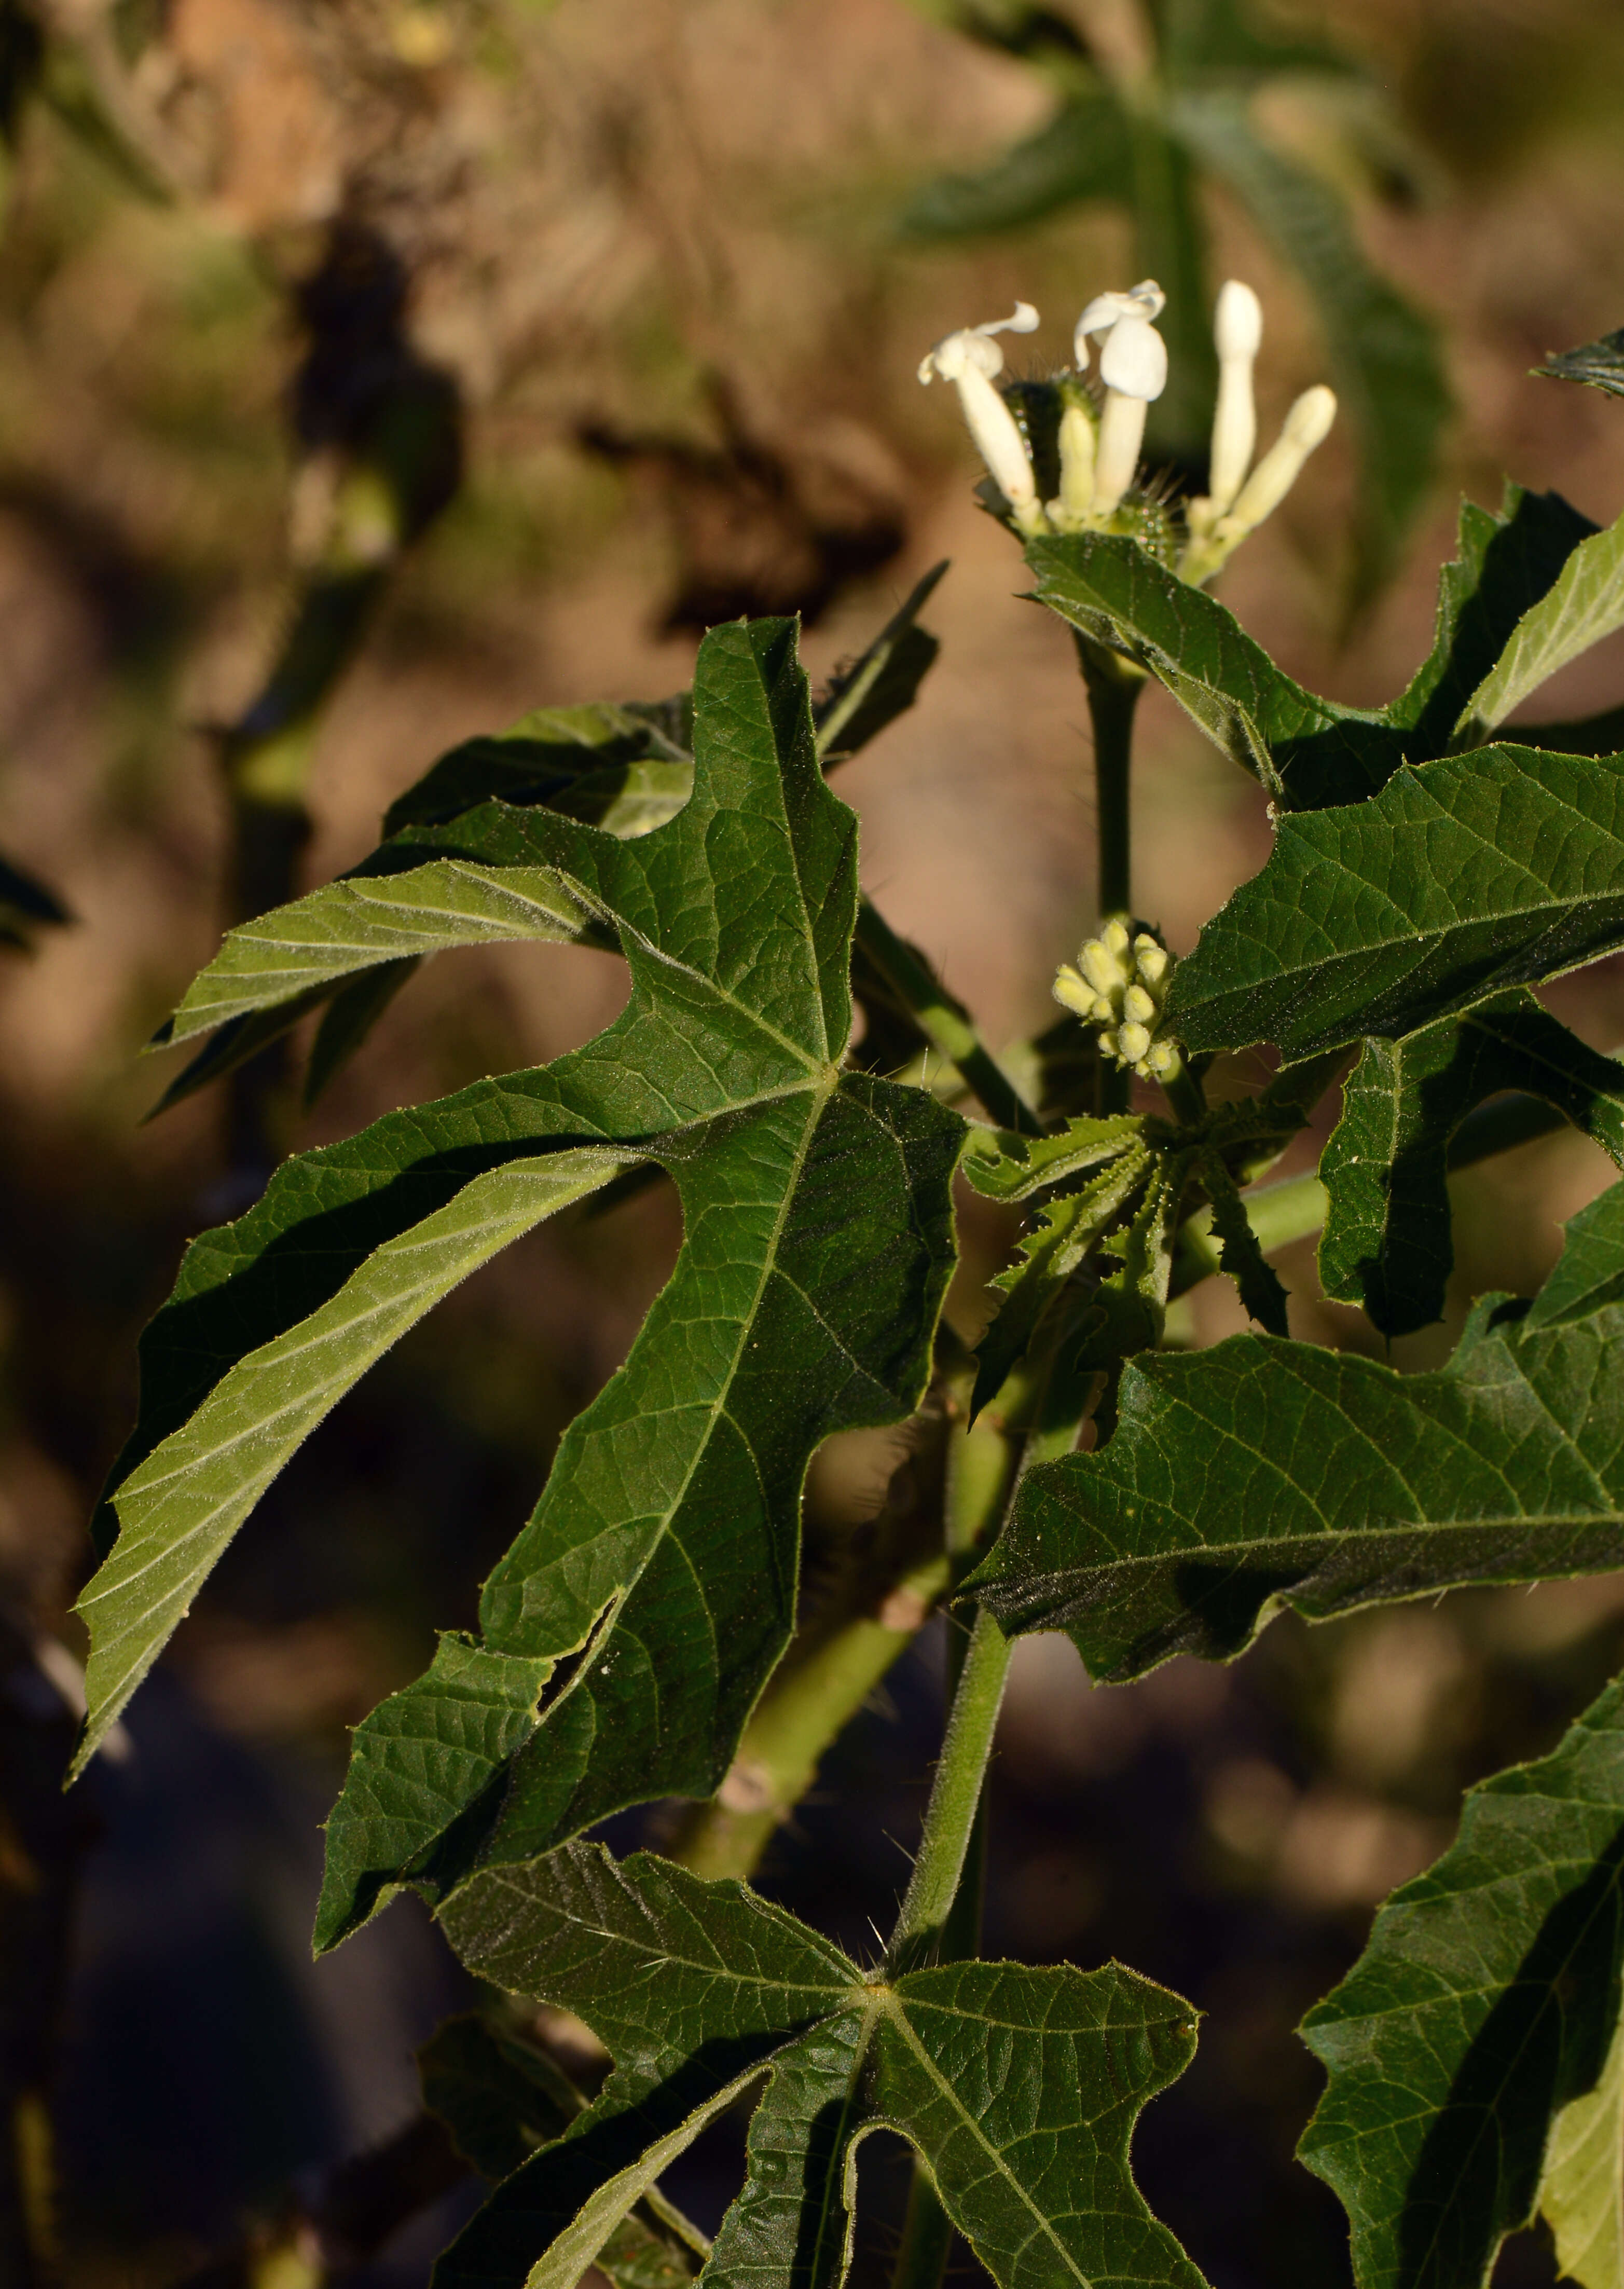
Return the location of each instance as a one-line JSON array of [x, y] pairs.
[[371, 370]]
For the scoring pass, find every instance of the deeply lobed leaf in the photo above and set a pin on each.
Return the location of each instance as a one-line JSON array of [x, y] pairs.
[[1479, 872], [1262, 1474], [1020, 2088], [660, 1564], [1482, 2012]]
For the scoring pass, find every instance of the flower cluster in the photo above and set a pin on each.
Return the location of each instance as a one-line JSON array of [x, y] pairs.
[[1101, 432], [1120, 985]]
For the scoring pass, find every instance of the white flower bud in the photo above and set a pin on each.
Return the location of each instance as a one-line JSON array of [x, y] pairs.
[[1122, 435], [1306, 426], [1150, 959], [1108, 1045], [1138, 1005], [1077, 459], [1133, 1041], [1161, 1059], [1237, 329], [1114, 937]]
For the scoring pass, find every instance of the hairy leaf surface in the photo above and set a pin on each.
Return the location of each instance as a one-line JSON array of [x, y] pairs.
[[1479, 872], [660, 1564], [1386, 1243], [1481, 2015], [1020, 2088], [1262, 1474]]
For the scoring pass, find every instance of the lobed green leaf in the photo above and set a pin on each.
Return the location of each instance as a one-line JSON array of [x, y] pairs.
[[1583, 604], [1019, 2088], [1262, 1474], [1479, 872], [1483, 2009]]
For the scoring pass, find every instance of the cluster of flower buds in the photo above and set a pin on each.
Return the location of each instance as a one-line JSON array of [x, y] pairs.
[[1101, 432], [1120, 985]]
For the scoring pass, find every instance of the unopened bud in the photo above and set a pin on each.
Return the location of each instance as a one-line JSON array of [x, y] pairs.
[[1237, 329], [1114, 937], [1162, 1060], [1077, 463], [1307, 426], [1138, 1005], [1074, 993], [1150, 959], [1132, 1043], [1100, 967]]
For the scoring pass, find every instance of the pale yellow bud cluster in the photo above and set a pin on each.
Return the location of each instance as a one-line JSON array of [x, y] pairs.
[[1120, 984]]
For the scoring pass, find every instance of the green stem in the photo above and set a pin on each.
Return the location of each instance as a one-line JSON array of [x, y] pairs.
[[827, 1680], [813, 1699], [1296, 1207], [955, 1798], [1113, 686], [945, 1023]]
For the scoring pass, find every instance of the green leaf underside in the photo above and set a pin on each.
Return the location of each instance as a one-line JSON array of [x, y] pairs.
[[1313, 753], [352, 944], [1065, 1232], [1581, 2193], [1601, 364], [1261, 1473], [1480, 871], [503, 2098], [1585, 603], [1019, 2087], [1484, 2008], [180, 1507], [359, 921], [1386, 1244]]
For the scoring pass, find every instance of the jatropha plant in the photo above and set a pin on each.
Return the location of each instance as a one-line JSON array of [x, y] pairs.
[[646, 1638]]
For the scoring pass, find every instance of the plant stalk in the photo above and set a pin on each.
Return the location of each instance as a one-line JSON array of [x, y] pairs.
[[1113, 685], [955, 1798], [945, 1021]]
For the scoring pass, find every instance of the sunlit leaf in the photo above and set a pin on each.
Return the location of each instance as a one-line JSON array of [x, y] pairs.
[[1497, 868], [1583, 604]]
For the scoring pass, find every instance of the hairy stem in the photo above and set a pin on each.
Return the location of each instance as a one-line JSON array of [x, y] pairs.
[[945, 1023], [828, 1677], [955, 1798]]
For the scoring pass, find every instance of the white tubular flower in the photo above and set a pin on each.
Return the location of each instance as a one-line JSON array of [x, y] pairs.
[[969, 359], [1307, 426], [1078, 449], [1238, 331], [1134, 367]]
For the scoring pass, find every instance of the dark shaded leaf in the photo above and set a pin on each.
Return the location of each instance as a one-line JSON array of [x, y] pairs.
[[1484, 2004], [1386, 1244], [1261, 1473], [1601, 364]]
